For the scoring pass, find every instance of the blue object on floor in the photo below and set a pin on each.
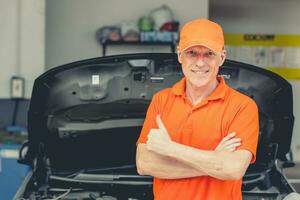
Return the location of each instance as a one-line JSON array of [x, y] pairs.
[[11, 172]]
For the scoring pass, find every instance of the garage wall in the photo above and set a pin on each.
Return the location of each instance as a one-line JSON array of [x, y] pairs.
[[71, 25], [22, 39], [268, 16]]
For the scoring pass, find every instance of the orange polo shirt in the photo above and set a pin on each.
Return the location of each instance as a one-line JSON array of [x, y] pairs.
[[202, 126]]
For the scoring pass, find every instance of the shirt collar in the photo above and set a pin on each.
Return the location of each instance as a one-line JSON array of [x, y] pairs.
[[218, 93]]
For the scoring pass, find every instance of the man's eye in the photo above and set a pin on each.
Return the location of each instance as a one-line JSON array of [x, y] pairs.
[[191, 53], [209, 54]]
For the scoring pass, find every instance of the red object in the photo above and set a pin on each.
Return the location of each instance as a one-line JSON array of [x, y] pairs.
[[170, 26]]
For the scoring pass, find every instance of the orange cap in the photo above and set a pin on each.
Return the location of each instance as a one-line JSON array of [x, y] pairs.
[[201, 32]]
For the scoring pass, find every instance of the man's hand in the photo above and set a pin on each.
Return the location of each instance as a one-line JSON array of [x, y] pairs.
[[159, 139], [229, 143]]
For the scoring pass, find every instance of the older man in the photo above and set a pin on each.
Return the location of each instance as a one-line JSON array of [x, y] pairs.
[[185, 142]]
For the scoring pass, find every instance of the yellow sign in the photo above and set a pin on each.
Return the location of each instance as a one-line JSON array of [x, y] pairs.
[[262, 40], [284, 51]]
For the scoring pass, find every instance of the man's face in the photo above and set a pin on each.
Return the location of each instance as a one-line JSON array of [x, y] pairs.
[[200, 65]]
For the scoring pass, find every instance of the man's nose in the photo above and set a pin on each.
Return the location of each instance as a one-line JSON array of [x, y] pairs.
[[200, 60]]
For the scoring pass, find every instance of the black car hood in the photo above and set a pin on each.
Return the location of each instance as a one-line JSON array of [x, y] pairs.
[[89, 114]]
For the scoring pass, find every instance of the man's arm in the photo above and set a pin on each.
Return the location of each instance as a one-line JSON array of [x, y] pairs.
[[151, 163], [219, 164], [223, 165]]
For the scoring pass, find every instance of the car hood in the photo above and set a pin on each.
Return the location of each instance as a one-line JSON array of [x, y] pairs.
[[89, 114]]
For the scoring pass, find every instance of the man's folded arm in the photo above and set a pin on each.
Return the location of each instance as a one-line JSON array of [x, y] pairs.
[[159, 166], [222, 165]]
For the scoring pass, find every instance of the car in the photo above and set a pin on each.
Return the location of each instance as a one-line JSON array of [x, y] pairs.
[[85, 117]]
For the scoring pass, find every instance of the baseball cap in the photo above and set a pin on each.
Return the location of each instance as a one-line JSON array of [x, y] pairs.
[[201, 32]]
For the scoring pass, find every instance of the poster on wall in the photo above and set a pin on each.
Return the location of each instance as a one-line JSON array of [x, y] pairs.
[[276, 57], [244, 54], [260, 56], [292, 57]]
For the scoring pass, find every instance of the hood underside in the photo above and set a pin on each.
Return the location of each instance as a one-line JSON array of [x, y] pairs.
[[89, 113]]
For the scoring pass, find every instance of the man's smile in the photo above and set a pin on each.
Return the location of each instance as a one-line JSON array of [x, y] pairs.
[[200, 71]]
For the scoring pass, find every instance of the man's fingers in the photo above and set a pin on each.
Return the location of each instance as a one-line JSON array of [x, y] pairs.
[[232, 141], [226, 138], [232, 147], [230, 135], [160, 124], [236, 144]]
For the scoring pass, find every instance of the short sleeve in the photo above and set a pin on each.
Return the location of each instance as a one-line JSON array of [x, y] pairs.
[[150, 121], [246, 125]]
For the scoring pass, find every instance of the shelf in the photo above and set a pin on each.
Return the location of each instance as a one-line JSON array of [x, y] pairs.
[[109, 42]]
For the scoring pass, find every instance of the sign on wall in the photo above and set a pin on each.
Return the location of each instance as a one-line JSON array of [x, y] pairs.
[[278, 53]]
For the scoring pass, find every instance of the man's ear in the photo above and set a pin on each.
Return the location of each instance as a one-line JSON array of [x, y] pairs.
[[179, 55], [223, 57]]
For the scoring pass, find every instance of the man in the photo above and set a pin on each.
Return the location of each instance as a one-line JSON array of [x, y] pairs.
[[185, 142]]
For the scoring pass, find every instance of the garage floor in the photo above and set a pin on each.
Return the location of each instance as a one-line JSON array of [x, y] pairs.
[[293, 176]]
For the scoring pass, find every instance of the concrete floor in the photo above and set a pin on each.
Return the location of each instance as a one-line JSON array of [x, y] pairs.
[[293, 176]]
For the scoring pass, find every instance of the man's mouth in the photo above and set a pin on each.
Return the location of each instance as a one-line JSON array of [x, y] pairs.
[[201, 72]]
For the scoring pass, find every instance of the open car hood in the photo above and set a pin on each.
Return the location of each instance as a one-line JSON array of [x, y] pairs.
[[89, 114]]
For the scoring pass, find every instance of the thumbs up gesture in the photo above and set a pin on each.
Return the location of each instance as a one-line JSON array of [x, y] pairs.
[[159, 140]]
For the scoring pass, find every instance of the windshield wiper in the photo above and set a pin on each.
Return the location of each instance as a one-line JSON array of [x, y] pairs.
[[109, 177], [100, 170], [74, 129], [106, 179]]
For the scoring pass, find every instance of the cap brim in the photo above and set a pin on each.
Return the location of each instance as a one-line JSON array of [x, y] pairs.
[[212, 45]]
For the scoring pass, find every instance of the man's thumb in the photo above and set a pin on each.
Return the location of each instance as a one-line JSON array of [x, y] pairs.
[[160, 124]]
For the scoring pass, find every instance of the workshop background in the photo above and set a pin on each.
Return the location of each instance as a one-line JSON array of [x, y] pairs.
[[37, 35]]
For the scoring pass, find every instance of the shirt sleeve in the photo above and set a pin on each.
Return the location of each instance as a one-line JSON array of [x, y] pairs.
[[150, 121], [246, 126]]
